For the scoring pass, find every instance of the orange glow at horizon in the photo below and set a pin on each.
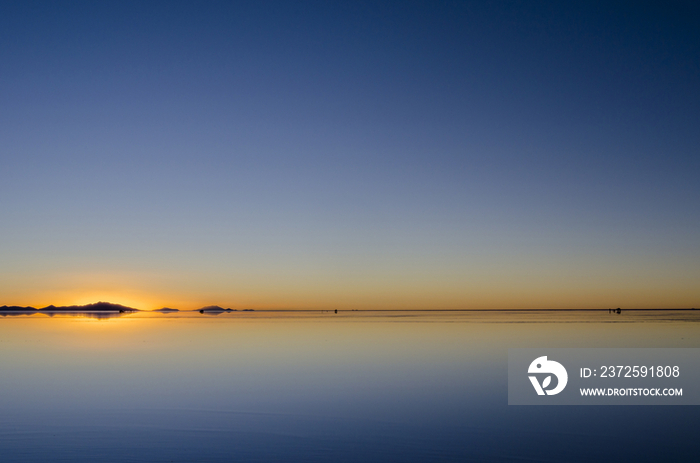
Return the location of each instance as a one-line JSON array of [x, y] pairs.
[[466, 287]]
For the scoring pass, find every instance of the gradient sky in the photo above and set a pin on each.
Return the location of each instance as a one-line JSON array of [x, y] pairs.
[[350, 154]]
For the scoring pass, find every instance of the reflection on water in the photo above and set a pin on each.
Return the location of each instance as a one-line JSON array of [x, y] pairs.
[[422, 316], [319, 386], [98, 315]]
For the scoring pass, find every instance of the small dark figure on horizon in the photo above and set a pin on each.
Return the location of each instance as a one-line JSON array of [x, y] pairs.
[[336, 310]]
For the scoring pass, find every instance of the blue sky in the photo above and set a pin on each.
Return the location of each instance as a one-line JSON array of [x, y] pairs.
[[359, 154]]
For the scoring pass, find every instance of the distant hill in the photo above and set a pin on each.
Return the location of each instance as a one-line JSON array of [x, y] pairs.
[[214, 309], [89, 308], [96, 307], [15, 308], [106, 307]]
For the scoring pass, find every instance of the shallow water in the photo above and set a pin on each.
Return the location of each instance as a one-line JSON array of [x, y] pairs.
[[320, 386]]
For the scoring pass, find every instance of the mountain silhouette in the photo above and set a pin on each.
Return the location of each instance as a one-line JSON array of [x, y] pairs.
[[214, 309], [16, 308], [96, 307], [89, 308]]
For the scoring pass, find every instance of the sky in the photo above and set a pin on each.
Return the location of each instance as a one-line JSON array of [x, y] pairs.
[[351, 155]]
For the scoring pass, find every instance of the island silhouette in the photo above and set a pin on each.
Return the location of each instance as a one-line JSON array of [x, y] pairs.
[[101, 310], [214, 310], [96, 310], [96, 307]]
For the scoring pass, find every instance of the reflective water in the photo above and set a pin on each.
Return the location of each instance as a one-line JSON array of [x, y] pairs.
[[352, 386]]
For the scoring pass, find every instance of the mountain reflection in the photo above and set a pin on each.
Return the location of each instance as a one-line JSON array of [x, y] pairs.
[[98, 315], [98, 310]]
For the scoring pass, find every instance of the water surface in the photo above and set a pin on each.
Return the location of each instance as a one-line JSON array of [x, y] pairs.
[[319, 386]]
